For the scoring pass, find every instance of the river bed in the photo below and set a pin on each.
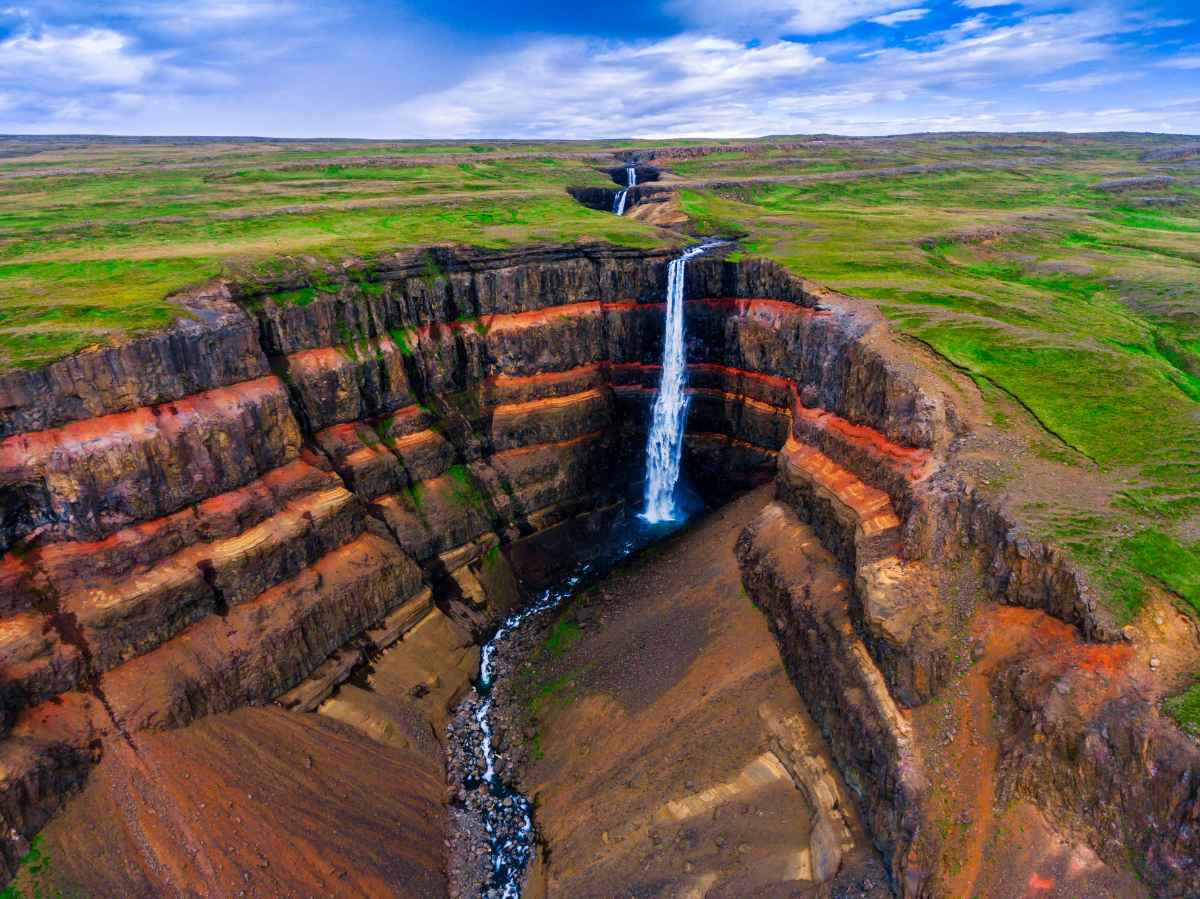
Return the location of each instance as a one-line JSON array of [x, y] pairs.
[[493, 834]]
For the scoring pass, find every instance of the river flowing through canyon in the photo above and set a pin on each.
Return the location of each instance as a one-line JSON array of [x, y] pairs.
[[493, 838], [477, 767]]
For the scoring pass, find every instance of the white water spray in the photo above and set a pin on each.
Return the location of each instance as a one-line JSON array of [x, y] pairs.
[[665, 444], [622, 195]]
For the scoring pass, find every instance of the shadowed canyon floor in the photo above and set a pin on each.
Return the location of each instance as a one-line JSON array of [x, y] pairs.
[[658, 703]]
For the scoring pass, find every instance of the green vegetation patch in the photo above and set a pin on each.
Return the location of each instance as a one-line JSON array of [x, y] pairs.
[[565, 632], [1167, 561], [90, 259], [463, 488], [1184, 709], [1058, 300], [33, 877]]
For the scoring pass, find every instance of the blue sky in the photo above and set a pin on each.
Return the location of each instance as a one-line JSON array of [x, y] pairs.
[[456, 68]]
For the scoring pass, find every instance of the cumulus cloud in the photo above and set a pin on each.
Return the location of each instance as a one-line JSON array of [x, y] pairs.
[[1084, 82], [1184, 61], [1033, 46], [191, 16], [689, 84], [985, 4], [370, 68], [61, 57]]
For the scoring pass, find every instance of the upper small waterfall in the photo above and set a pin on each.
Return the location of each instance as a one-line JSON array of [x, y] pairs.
[[665, 443], [630, 181]]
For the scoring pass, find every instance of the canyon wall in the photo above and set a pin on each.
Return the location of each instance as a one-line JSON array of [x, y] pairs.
[[210, 516], [303, 471]]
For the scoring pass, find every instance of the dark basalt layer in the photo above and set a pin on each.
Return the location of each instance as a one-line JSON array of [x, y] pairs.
[[645, 173], [249, 504], [603, 199]]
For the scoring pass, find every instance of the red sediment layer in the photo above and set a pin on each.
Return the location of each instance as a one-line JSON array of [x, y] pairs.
[[868, 439], [504, 382], [509, 321], [872, 507], [408, 418], [554, 402], [770, 380], [725, 439], [349, 436], [22, 451], [503, 389], [513, 320], [725, 395], [518, 451], [319, 358], [328, 359], [218, 516], [709, 392], [750, 306]]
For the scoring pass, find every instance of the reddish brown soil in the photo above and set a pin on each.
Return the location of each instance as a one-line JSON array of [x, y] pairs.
[[1007, 852], [261, 802]]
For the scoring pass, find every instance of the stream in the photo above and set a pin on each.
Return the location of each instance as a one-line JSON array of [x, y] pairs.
[[488, 810]]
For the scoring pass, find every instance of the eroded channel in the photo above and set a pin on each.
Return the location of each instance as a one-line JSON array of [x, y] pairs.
[[493, 835]]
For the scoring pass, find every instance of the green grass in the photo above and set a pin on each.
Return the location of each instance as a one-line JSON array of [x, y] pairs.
[[1057, 298], [403, 338], [88, 259], [1185, 709], [565, 632], [463, 488], [32, 879], [1175, 566]]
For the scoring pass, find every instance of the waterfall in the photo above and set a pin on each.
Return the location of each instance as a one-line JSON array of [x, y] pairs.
[[665, 444], [630, 181]]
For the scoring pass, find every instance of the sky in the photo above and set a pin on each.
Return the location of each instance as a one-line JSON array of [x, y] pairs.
[[579, 70]]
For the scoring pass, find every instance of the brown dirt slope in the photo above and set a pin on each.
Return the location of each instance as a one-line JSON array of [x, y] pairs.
[[261, 802], [660, 775]]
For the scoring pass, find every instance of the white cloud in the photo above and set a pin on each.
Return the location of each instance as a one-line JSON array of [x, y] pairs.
[[1182, 62], [903, 15], [186, 16], [1036, 45], [1085, 82], [783, 16], [690, 84], [289, 67], [971, 75], [74, 56]]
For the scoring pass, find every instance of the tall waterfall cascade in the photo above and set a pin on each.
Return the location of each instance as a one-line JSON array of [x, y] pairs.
[[664, 446], [622, 195]]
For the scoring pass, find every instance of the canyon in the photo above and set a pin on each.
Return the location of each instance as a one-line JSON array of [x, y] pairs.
[[248, 561]]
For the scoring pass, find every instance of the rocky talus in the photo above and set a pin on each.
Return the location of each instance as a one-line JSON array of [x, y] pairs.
[[319, 491]]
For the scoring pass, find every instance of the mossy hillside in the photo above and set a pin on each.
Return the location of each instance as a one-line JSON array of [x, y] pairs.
[[86, 258], [1074, 303], [1184, 708]]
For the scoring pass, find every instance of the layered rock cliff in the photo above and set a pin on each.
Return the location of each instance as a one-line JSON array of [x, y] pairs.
[[306, 471], [203, 518]]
